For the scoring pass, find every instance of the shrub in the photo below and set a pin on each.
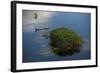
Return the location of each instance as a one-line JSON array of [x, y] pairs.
[[64, 41]]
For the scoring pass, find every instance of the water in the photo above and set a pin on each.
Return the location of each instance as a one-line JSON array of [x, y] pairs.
[[36, 47]]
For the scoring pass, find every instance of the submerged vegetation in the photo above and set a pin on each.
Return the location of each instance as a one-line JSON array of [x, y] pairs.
[[64, 41]]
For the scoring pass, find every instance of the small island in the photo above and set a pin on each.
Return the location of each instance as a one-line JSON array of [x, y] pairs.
[[65, 41]]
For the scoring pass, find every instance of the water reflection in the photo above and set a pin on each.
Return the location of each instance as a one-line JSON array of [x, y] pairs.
[[44, 32], [66, 52], [37, 48]]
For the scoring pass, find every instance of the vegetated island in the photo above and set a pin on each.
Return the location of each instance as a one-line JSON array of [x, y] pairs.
[[64, 41]]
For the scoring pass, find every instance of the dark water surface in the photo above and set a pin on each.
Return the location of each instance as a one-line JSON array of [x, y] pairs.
[[36, 47]]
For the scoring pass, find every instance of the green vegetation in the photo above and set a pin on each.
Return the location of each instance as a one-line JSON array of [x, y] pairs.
[[65, 41]]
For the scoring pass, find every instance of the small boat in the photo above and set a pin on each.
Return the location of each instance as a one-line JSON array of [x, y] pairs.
[[38, 29]]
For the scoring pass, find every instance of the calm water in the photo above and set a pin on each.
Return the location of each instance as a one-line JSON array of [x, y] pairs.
[[36, 47]]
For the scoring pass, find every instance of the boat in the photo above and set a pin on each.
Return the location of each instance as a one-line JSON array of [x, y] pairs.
[[38, 29]]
